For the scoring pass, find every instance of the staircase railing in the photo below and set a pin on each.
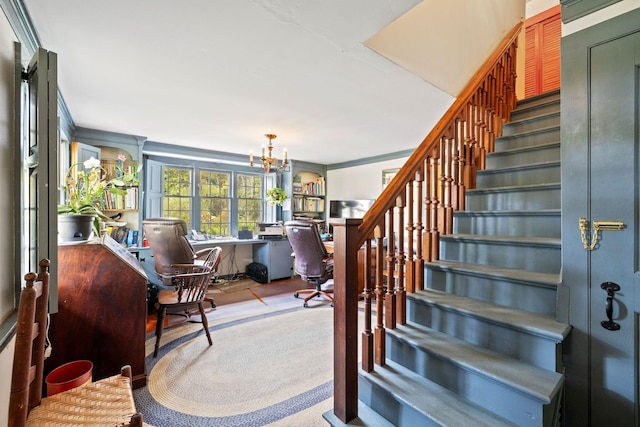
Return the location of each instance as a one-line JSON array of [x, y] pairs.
[[402, 230]]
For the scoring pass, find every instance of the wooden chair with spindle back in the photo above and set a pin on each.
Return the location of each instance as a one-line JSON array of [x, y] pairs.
[[190, 287]]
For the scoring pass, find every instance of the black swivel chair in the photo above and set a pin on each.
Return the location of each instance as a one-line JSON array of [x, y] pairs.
[[313, 263]]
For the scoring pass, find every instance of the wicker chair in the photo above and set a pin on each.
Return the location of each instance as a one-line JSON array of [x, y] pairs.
[[105, 402]]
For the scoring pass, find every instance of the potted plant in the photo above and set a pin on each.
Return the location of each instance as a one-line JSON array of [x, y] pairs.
[[276, 196], [84, 198]]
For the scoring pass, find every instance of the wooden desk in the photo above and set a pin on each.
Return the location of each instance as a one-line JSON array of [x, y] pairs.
[[329, 246], [102, 310]]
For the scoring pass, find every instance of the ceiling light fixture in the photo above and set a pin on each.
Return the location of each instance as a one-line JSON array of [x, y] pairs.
[[268, 162]]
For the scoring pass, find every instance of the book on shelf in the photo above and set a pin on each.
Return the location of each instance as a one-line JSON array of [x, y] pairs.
[[123, 235], [308, 204], [126, 201], [314, 188]]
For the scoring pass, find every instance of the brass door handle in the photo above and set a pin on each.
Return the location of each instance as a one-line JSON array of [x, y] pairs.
[[589, 242]]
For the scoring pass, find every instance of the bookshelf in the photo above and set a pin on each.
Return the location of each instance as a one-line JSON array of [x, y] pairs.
[[110, 147], [125, 228], [309, 191]]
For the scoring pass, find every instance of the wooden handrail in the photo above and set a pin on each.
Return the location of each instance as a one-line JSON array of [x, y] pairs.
[[401, 230], [387, 198]]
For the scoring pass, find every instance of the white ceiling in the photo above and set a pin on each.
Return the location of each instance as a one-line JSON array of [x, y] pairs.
[[220, 74]]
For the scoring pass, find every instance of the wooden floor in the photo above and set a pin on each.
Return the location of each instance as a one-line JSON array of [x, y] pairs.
[[230, 296]]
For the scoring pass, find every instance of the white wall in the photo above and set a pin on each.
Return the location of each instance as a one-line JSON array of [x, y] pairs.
[[534, 7], [359, 182], [365, 182], [7, 213]]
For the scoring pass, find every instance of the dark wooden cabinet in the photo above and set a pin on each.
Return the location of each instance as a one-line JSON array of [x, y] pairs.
[[102, 309]]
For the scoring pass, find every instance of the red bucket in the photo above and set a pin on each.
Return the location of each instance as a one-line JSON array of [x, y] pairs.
[[68, 376]]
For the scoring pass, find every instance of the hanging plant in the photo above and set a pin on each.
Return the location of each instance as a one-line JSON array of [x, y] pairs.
[[276, 196]]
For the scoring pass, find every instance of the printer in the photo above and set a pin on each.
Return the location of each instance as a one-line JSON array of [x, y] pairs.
[[270, 230]]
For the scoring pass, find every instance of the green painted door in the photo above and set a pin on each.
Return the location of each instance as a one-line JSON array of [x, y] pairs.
[[601, 182], [613, 178]]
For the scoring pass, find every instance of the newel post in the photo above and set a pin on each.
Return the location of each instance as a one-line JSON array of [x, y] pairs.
[[345, 318]]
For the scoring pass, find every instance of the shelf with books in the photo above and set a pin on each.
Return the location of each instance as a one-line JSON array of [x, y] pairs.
[[308, 184], [306, 203], [120, 156], [125, 208], [127, 201], [122, 234], [308, 190]]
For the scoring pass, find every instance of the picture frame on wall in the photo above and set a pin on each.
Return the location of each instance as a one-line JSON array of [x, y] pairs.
[[388, 175]]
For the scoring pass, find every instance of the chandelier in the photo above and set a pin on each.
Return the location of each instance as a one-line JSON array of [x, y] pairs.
[[267, 161]]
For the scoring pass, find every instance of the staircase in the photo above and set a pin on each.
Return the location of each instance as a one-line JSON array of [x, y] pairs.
[[481, 346]]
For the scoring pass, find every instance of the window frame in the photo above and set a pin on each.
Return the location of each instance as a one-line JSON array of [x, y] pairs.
[[197, 166], [179, 196], [238, 199], [228, 198]]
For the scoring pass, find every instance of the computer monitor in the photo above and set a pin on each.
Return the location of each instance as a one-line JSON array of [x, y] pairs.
[[349, 208]]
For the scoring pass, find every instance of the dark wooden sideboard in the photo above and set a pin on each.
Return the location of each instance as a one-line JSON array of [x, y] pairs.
[[102, 309]]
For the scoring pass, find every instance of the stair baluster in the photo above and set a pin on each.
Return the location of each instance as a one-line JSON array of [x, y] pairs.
[[442, 167]]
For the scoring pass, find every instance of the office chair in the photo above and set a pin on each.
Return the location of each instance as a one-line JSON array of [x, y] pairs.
[[167, 238], [312, 261]]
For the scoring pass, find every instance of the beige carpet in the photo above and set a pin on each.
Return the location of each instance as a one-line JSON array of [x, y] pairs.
[[271, 363]]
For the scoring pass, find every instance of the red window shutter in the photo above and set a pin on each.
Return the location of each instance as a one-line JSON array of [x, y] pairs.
[[542, 52], [530, 65], [550, 49]]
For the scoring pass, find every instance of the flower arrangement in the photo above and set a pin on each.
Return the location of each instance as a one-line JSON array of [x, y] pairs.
[[276, 196], [85, 188]]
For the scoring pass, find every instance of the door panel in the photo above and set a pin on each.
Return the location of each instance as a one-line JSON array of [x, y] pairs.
[[613, 191]]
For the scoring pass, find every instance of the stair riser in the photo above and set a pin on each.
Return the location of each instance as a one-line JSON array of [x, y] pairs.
[[522, 409], [538, 100], [522, 345], [530, 124], [394, 410], [504, 225], [523, 296], [543, 108], [514, 199], [550, 153], [542, 174], [540, 258], [542, 136], [526, 155]]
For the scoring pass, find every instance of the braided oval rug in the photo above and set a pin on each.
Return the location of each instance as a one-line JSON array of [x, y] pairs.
[[273, 368]]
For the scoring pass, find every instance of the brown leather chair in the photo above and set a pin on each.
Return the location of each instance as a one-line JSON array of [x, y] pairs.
[[312, 261], [167, 238]]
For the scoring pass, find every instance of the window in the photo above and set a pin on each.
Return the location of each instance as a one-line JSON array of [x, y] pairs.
[[215, 202], [250, 201], [178, 194]]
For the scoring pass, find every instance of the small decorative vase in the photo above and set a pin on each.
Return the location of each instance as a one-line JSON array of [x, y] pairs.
[[75, 228]]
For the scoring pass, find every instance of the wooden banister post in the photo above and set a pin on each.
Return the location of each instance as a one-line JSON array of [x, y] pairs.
[[345, 317]]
